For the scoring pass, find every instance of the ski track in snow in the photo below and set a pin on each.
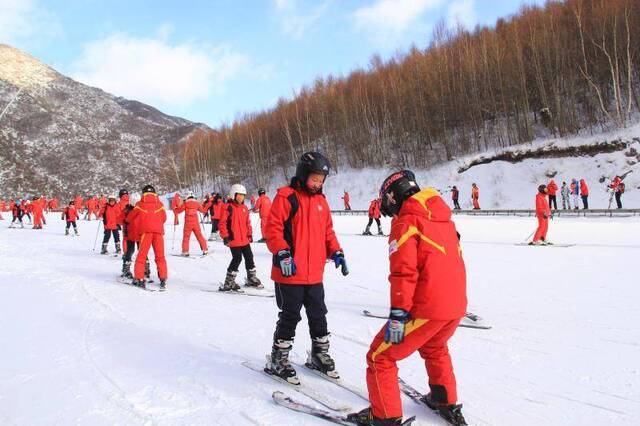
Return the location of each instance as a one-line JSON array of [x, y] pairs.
[[80, 348]]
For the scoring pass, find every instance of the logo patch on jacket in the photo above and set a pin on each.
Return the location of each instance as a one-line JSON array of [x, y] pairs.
[[393, 247]]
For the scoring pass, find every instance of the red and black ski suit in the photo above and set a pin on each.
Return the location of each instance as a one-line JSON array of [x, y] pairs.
[[543, 212], [149, 216], [263, 206], [428, 280], [237, 234], [110, 220], [70, 214], [191, 207], [301, 223]]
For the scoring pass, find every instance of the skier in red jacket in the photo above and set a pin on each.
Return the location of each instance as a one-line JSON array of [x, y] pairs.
[[110, 222], [38, 212], [175, 203], [149, 217], [543, 213], [428, 299], [346, 198], [192, 207], [70, 214], [301, 238], [216, 213], [374, 214], [263, 206], [552, 188], [236, 233], [584, 194]]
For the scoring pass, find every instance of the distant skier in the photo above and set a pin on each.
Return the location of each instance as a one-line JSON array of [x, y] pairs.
[[175, 203], [263, 206], [346, 198], [2, 207], [617, 186], [149, 217], [252, 201], [70, 215], [575, 193], [237, 234], [38, 212], [455, 195], [17, 211], [566, 196], [110, 222], [428, 299], [191, 207], [543, 213], [475, 196], [374, 214], [584, 194], [216, 213], [92, 207], [552, 188]]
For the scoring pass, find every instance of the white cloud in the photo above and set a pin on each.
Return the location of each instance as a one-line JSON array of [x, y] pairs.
[[389, 19], [294, 21], [463, 11], [154, 71], [26, 22]]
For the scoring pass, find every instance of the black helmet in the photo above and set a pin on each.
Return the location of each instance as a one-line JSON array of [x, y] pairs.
[[122, 192], [542, 189], [261, 191], [395, 189], [148, 188], [311, 162]]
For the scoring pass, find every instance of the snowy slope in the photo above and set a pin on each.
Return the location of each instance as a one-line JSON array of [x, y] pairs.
[[79, 348]]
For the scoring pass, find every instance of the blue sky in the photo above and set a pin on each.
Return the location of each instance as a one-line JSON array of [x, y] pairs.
[[211, 61]]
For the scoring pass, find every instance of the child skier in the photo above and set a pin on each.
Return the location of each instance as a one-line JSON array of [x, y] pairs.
[[70, 214], [191, 207], [236, 233], [374, 214], [263, 206]]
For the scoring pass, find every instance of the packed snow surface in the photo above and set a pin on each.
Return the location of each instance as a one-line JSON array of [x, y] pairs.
[[80, 348]]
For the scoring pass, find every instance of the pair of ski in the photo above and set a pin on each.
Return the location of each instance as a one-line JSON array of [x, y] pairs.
[[468, 321], [129, 281], [199, 256], [545, 245], [252, 293]]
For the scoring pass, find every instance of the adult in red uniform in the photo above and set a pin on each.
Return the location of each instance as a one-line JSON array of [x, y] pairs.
[[79, 204], [346, 198], [455, 196], [175, 203], [552, 188], [70, 215], [263, 207], [428, 298], [110, 222], [584, 194], [237, 234], [374, 214], [2, 207], [149, 217], [191, 207], [301, 238], [475, 196], [543, 213], [617, 186], [38, 212]]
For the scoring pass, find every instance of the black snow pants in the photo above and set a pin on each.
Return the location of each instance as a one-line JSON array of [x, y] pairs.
[[290, 299], [237, 253]]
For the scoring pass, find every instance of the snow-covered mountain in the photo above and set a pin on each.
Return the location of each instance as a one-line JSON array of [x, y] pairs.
[[61, 137]]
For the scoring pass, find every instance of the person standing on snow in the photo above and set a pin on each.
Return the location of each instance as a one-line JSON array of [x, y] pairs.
[[575, 193], [236, 233], [346, 198], [216, 213], [110, 222], [149, 217], [455, 195], [17, 211], [584, 194], [617, 186], [475, 196], [566, 196], [70, 215], [552, 188], [301, 238], [38, 212], [374, 213], [191, 207], [263, 206], [175, 203], [543, 213], [428, 299]]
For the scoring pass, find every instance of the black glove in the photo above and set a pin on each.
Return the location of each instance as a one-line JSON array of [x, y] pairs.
[[225, 241], [339, 261]]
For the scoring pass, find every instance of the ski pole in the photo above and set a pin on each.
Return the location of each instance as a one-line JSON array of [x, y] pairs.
[[96, 239], [173, 239], [527, 239]]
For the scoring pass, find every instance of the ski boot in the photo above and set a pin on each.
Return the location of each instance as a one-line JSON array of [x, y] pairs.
[[380, 230], [205, 252], [547, 243], [252, 279], [118, 248], [452, 413], [163, 285], [230, 282], [126, 270], [139, 283], [104, 249], [365, 418], [76, 232], [367, 231], [319, 358], [536, 243], [21, 225], [66, 232], [278, 363], [147, 271], [184, 254]]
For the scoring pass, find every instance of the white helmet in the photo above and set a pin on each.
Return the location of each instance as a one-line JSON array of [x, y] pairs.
[[112, 196], [190, 194], [237, 189]]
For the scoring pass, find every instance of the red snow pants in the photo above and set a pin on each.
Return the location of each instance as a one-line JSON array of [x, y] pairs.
[[429, 338], [541, 232], [146, 241], [186, 236]]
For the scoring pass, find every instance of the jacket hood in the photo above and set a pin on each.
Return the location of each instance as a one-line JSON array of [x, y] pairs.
[[427, 203]]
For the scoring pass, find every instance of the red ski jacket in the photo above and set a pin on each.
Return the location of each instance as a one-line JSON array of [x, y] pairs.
[[217, 209], [301, 222], [235, 225], [263, 205], [552, 187], [374, 209], [428, 277], [475, 193], [110, 216], [70, 214], [175, 201], [129, 228], [542, 205], [149, 215], [191, 207], [584, 189]]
